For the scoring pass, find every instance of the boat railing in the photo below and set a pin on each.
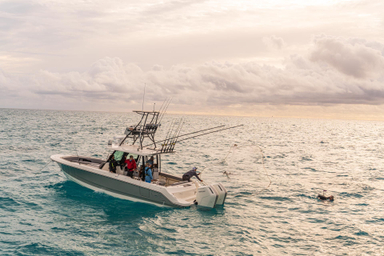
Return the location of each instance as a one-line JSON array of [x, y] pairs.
[[141, 130]]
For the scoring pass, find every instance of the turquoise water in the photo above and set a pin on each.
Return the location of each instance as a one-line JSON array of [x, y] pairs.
[[42, 213]]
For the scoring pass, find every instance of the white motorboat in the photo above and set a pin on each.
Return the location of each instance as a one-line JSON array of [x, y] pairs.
[[165, 189]]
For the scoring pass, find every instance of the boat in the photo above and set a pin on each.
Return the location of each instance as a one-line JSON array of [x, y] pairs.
[[165, 189]]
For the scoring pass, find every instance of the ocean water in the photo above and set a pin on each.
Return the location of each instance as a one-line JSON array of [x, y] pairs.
[[277, 168]]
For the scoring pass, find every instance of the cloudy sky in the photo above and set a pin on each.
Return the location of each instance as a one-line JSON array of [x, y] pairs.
[[312, 58]]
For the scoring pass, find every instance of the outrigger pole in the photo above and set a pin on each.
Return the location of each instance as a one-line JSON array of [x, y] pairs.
[[170, 143], [167, 138], [212, 132]]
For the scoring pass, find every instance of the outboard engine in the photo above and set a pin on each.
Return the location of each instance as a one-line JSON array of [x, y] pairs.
[[206, 196], [221, 192]]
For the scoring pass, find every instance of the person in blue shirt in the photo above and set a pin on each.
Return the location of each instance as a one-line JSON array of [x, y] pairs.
[[148, 173], [188, 175]]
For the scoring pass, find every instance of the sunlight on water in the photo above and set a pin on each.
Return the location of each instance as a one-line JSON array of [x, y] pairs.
[[41, 212]]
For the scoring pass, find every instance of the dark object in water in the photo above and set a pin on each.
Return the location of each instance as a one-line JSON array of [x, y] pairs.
[[322, 197], [227, 173]]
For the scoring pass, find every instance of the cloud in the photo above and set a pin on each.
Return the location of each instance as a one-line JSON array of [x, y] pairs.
[[170, 6], [107, 78], [274, 42], [334, 71], [8, 83], [206, 55], [69, 35], [356, 58]]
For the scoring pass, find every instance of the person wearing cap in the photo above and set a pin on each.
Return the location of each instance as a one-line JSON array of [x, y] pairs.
[[188, 175], [150, 161]]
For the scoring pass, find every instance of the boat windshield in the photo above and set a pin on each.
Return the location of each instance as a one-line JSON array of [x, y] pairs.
[[118, 155]]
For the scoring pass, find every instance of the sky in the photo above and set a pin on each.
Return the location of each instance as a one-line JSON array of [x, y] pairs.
[[281, 58]]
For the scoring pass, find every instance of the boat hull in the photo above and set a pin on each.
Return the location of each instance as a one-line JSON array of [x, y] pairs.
[[116, 185]]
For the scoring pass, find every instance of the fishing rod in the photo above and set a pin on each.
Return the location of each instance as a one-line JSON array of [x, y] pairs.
[[165, 102], [168, 146], [188, 134], [170, 128], [202, 170], [165, 109], [169, 135], [161, 107], [164, 146], [173, 143]]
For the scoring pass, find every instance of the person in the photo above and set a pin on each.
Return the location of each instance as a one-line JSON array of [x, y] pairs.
[[188, 175], [150, 161], [123, 160], [148, 173], [112, 164], [131, 165], [142, 172]]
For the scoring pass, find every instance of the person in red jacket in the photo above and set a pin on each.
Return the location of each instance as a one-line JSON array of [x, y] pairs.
[[131, 166]]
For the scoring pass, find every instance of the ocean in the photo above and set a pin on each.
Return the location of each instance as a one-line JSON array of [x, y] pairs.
[[276, 167]]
